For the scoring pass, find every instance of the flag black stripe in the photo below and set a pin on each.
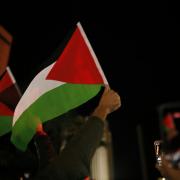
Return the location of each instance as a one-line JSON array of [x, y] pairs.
[[5, 40], [58, 51]]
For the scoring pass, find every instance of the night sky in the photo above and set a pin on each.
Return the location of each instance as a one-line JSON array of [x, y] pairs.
[[137, 44]]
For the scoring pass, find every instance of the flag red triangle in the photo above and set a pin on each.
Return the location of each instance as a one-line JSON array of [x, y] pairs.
[[6, 81], [76, 64], [5, 111]]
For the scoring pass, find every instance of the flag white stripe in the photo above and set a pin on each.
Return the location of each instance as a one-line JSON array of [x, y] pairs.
[[37, 88]]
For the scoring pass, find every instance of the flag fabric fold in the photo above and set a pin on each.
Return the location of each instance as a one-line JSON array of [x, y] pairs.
[[74, 78], [9, 97]]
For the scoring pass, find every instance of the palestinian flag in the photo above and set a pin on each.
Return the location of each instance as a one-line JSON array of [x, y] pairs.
[[73, 79], [9, 97]]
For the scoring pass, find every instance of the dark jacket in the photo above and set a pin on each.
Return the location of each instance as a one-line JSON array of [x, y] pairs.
[[43, 160], [73, 162]]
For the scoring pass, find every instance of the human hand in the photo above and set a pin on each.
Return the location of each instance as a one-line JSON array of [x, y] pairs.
[[110, 101], [168, 171]]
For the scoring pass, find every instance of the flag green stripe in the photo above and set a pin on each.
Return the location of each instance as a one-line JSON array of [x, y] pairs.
[[50, 105], [5, 124]]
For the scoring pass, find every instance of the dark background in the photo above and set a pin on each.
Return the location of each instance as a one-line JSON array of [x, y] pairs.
[[137, 44]]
